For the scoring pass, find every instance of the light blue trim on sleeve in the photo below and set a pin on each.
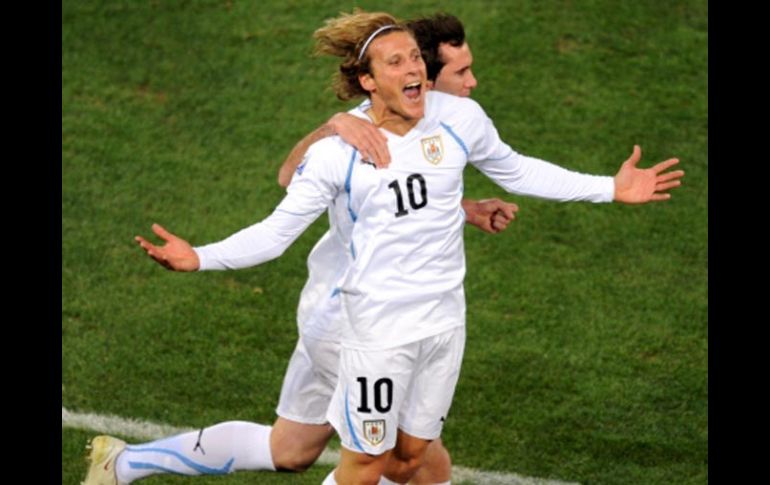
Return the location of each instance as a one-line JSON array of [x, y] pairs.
[[457, 138], [353, 215]]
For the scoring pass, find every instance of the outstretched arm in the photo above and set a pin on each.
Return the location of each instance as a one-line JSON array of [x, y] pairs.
[[176, 254], [250, 246], [489, 215], [308, 196], [637, 186], [358, 132]]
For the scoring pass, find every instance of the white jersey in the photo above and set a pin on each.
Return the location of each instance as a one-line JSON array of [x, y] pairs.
[[405, 259], [319, 313]]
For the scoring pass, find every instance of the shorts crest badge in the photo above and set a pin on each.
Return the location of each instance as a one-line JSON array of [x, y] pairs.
[[374, 431], [433, 149]]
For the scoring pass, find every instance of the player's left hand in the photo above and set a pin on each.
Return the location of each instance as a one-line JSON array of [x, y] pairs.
[[640, 185]]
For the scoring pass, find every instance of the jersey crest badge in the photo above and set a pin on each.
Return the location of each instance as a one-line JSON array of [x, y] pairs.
[[433, 149], [374, 431]]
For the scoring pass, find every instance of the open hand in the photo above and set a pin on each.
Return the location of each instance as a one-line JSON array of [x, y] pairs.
[[176, 254], [640, 185]]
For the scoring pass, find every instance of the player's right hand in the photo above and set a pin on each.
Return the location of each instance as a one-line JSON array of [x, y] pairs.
[[177, 254], [363, 135]]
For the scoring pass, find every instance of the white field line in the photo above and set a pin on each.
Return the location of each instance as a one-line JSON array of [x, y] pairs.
[[145, 430]]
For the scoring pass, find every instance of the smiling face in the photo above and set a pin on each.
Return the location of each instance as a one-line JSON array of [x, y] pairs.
[[456, 76], [397, 82]]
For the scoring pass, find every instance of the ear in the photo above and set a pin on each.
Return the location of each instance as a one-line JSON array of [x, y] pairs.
[[367, 82]]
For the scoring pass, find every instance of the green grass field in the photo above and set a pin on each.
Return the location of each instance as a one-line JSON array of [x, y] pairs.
[[587, 324]]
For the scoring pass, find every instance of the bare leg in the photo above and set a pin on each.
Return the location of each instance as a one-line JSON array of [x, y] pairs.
[[360, 468], [407, 457], [436, 466], [296, 446]]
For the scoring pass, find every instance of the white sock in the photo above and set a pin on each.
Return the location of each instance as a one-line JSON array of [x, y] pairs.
[[216, 450], [443, 483], [329, 480]]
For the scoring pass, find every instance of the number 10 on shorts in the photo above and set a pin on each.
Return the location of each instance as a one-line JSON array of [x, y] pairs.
[[383, 395], [374, 429]]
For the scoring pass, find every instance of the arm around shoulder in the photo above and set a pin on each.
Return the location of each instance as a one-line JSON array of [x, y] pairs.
[[298, 153]]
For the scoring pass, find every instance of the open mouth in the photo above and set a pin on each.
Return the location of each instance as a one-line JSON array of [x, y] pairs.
[[412, 90]]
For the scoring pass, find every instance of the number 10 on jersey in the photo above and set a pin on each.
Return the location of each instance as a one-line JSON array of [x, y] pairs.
[[415, 201]]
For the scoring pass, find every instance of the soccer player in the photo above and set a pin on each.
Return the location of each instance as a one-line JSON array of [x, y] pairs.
[[296, 437], [301, 432], [401, 288]]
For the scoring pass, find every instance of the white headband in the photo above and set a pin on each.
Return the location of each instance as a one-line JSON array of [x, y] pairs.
[[371, 37]]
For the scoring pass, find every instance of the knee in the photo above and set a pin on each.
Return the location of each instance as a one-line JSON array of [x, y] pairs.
[[436, 467], [294, 455], [401, 468], [297, 459], [295, 447], [369, 477], [295, 464]]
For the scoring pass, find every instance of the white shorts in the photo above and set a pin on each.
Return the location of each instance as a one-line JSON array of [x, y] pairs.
[[408, 387], [310, 380]]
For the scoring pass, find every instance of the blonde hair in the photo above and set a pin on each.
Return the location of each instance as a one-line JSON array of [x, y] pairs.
[[344, 37]]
